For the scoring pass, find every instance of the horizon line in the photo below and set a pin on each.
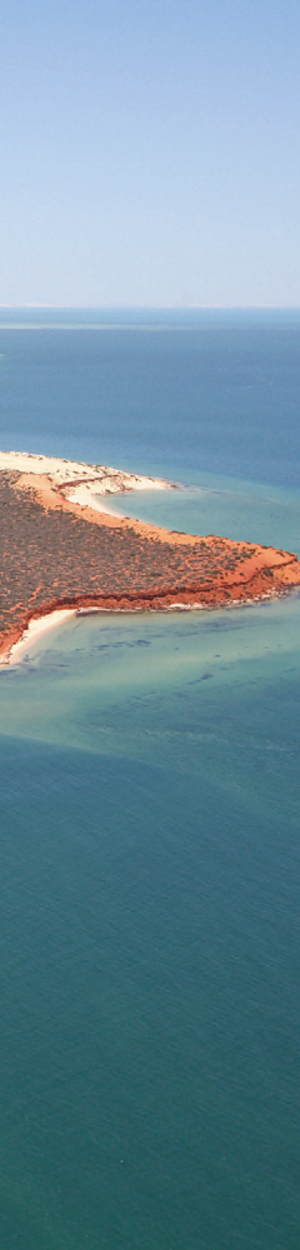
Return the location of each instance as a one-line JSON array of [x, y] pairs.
[[156, 307]]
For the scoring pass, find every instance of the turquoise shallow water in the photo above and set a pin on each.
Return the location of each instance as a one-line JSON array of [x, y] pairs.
[[150, 933], [221, 505], [150, 856]]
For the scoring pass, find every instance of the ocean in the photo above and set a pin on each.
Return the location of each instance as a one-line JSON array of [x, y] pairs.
[[150, 844]]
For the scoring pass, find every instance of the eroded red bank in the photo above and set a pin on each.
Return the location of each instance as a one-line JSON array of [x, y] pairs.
[[55, 556]]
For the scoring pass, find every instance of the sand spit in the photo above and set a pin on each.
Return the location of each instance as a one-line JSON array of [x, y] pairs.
[[66, 475], [60, 555]]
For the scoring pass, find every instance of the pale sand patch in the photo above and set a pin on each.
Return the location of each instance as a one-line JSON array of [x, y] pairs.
[[72, 485], [62, 472], [83, 495], [37, 626]]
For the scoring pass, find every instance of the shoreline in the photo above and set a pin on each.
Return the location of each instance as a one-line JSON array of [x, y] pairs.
[[63, 553], [36, 626], [68, 475], [16, 647]]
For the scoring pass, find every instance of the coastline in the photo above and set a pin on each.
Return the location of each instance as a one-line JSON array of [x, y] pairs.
[[36, 626], [64, 553], [68, 475], [14, 646]]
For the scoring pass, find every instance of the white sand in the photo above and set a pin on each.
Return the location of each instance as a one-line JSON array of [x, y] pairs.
[[60, 472], [85, 497], [38, 626]]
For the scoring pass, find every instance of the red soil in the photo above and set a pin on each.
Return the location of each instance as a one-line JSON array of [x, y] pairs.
[[93, 559]]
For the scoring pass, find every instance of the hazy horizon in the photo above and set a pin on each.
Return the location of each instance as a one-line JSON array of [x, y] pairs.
[[153, 307]]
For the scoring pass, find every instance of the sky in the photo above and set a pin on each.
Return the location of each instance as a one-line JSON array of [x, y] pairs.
[[150, 153]]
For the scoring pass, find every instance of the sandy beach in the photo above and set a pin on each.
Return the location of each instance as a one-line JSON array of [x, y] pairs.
[[68, 474], [36, 627]]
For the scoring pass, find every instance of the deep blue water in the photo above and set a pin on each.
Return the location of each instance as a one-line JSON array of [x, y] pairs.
[[221, 396], [150, 873]]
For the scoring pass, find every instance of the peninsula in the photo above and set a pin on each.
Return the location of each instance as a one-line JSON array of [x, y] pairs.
[[60, 549]]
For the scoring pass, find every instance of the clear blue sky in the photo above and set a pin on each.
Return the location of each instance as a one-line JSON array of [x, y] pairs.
[[150, 152]]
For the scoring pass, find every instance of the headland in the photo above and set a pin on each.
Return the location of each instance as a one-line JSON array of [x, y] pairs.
[[60, 550]]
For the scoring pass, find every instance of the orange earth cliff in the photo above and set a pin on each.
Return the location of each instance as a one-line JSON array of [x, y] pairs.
[[54, 554]]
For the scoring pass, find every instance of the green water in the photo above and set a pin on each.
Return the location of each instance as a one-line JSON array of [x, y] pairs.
[[150, 933]]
